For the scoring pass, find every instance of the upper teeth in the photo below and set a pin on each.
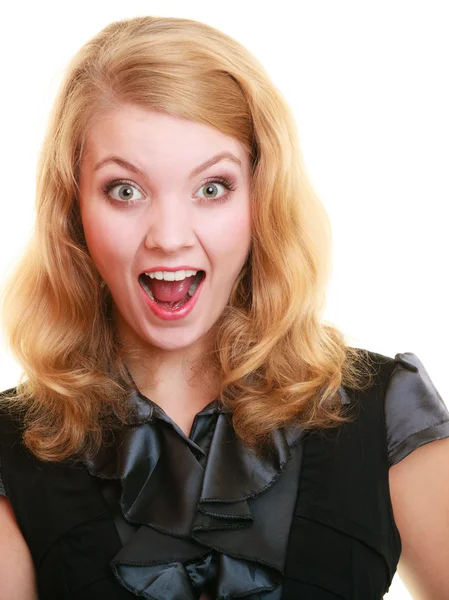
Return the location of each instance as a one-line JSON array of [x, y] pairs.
[[171, 275]]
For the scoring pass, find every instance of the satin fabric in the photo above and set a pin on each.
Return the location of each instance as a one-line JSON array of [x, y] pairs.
[[197, 512], [415, 412]]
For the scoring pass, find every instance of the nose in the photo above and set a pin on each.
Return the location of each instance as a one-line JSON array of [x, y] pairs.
[[169, 226]]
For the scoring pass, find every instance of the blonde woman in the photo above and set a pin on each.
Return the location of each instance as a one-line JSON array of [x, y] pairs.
[[186, 425]]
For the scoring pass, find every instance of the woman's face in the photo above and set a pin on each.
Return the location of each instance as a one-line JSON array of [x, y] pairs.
[[179, 218]]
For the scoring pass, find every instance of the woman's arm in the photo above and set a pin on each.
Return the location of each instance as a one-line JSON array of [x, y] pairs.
[[419, 488], [17, 574]]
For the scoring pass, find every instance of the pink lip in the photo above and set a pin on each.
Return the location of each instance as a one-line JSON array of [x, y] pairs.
[[180, 268]]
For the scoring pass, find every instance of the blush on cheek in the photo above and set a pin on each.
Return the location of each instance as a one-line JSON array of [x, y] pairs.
[[103, 247], [236, 243], [105, 232]]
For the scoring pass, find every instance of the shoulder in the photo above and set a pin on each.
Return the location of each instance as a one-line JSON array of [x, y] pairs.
[[11, 417], [9, 392], [415, 413], [416, 422], [6, 421], [5, 397], [418, 430]]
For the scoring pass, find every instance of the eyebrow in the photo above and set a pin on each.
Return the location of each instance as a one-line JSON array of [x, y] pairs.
[[209, 163]]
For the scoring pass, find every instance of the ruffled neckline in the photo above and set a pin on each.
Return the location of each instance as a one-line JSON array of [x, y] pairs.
[[200, 519]]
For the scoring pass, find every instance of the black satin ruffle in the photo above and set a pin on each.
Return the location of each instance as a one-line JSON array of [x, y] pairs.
[[203, 520]]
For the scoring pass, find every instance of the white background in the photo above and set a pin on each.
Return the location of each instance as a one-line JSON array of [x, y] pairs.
[[368, 84]]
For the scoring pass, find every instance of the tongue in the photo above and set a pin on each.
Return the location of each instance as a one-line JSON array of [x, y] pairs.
[[170, 291]]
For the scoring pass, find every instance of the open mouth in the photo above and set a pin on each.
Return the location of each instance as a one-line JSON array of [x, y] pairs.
[[154, 287]]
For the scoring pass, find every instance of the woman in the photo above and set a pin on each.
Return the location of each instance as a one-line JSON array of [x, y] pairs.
[[188, 427]]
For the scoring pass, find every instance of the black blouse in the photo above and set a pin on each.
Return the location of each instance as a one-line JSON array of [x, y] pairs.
[[192, 509], [202, 513]]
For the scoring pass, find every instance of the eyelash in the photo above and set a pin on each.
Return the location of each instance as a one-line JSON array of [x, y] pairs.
[[116, 182]]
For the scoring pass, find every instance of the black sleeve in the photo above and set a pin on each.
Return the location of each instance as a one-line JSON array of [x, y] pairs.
[[2, 394], [2, 488], [415, 413]]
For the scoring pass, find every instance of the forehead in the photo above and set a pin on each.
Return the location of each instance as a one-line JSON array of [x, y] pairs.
[[136, 131]]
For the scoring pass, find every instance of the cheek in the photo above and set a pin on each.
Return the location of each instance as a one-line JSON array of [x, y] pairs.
[[108, 240], [228, 240], [231, 234]]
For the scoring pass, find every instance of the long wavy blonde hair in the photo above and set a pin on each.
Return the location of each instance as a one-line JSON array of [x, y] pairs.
[[278, 362]]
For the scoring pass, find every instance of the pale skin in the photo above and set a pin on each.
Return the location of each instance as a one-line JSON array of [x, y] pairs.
[[419, 489], [124, 241]]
